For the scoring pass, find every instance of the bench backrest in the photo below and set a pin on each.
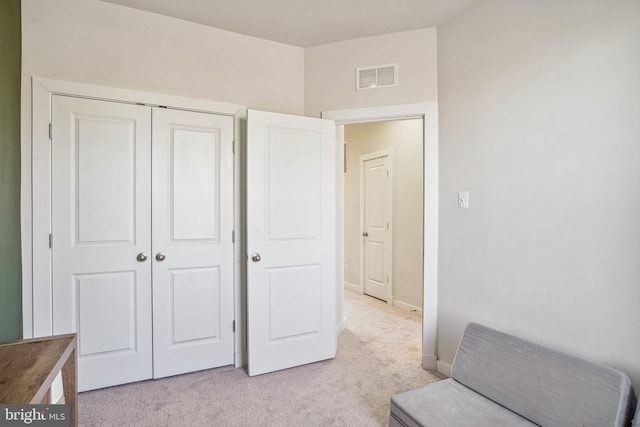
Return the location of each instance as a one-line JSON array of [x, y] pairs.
[[548, 387]]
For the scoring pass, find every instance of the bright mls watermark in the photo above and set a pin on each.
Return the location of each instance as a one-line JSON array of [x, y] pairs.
[[34, 415]]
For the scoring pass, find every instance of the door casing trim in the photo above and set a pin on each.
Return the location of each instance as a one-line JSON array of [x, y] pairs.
[[36, 194], [429, 113]]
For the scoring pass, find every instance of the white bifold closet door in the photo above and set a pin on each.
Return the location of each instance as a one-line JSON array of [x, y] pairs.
[[142, 207]]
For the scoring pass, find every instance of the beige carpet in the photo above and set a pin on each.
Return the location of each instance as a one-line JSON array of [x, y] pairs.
[[378, 356]]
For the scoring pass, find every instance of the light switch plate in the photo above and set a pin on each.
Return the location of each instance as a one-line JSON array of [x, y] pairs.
[[463, 200]]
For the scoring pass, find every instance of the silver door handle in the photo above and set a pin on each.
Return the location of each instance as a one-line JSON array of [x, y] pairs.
[[161, 256], [256, 257], [365, 234], [142, 257]]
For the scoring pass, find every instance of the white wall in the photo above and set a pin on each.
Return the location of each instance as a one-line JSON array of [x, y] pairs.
[[90, 41], [539, 120], [405, 138], [330, 71]]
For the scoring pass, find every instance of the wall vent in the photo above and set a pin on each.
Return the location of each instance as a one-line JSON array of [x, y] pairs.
[[377, 76]]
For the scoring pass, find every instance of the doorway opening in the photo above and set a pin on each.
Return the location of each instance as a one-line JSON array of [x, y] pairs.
[[428, 113], [383, 211]]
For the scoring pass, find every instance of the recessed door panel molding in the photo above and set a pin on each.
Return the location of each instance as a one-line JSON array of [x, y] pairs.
[[105, 208], [195, 305], [100, 289], [195, 183], [294, 184], [193, 208], [375, 253], [376, 180], [291, 225], [376, 222], [106, 313], [302, 284]]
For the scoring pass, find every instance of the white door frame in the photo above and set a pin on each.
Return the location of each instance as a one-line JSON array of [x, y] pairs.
[[429, 113], [36, 194], [388, 153]]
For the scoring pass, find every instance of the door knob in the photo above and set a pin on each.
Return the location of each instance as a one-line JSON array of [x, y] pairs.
[[256, 257], [365, 234], [142, 257], [161, 256]]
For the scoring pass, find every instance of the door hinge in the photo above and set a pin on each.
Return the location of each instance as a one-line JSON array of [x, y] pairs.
[[233, 146], [234, 326], [233, 236], [50, 131], [50, 241]]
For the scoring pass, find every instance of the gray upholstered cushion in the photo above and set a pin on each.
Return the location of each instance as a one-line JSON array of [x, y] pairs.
[[449, 403], [548, 387]]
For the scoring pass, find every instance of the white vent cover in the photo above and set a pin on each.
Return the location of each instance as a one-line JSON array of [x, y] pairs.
[[377, 76]]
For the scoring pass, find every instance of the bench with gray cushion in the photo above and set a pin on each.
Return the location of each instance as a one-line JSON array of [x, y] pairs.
[[501, 380]]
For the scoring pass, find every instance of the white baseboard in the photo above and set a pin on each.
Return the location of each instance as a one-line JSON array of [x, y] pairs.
[[407, 307], [356, 288], [390, 299], [444, 368], [341, 326], [429, 362]]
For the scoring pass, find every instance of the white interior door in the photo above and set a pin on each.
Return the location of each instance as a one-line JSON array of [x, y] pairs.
[[376, 224], [101, 225], [192, 241], [291, 227]]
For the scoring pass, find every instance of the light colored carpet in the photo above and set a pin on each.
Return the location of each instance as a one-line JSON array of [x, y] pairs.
[[378, 356]]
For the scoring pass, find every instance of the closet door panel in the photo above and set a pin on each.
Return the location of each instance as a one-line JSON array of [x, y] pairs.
[[192, 241], [101, 224]]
